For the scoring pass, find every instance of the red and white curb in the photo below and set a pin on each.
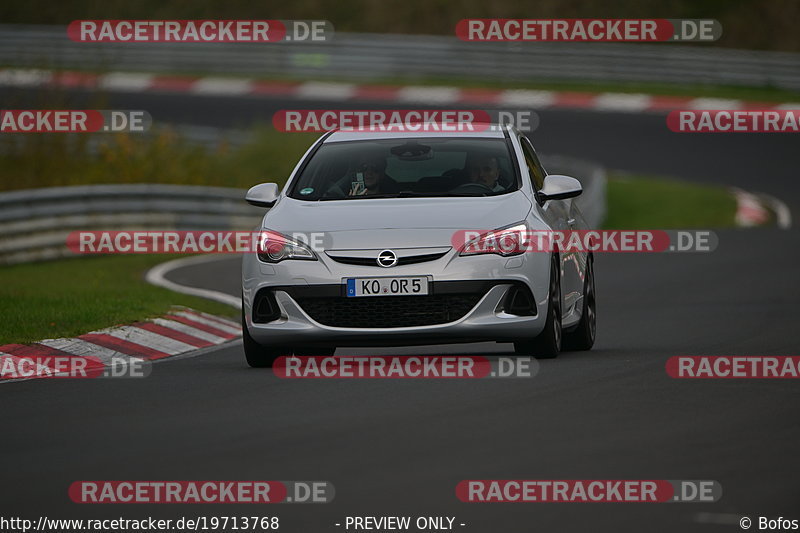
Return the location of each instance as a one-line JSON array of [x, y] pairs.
[[315, 90], [752, 209], [749, 211], [182, 330]]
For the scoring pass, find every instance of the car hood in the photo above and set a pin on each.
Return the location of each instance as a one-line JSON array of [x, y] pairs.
[[398, 223], [489, 212]]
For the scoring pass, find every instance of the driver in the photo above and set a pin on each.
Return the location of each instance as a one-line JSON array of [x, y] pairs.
[[485, 171], [375, 179]]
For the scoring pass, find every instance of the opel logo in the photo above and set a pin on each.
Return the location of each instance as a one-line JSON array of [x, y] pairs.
[[387, 258]]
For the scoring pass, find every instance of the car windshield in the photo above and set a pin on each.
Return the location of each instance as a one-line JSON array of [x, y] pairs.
[[410, 167]]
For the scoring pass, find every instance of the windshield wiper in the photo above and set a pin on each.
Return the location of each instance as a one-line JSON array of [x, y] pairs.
[[405, 194], [412, 194]]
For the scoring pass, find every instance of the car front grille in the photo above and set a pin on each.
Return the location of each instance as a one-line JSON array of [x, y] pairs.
[[372, 261], [389, 311]]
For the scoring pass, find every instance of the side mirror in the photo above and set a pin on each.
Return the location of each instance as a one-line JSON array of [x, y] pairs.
[[263, 194], [558, 187]]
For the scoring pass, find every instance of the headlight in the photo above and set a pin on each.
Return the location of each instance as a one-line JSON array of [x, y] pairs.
[[274, 248], [508, 241]]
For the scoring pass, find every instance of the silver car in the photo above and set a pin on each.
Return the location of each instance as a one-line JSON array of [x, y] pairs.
[[366, 245]]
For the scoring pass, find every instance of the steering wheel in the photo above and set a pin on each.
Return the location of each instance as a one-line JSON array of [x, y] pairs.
[[472, 187]]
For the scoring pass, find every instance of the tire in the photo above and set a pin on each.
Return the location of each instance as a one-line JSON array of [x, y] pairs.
[[548, 343], [258, 355], [582, 337]]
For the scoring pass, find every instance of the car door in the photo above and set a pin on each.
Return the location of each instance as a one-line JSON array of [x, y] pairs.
[[561, 216]]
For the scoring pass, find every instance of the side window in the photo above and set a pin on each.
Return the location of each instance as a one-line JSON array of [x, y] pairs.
[[534, 166]]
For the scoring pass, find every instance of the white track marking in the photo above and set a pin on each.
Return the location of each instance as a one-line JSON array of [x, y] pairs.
[[222, 86], [126, 81], [231, 323], [156, 276], [749, 210], [782, 211], [84, 348], [714, 103], [210, 323], [429, 95], [333, 91], [623, 102], [189, 330], [24, 78], [198, 352], [149, 339], [526, 98]]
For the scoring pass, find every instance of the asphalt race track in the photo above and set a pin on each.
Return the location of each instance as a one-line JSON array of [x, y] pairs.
[[401, 446]]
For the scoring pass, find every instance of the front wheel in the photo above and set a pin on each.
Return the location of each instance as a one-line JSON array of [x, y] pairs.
[[582, 337], [258, 355], [548, 343]]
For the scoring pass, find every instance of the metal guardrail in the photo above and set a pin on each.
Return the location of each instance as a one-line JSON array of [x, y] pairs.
[[35, 223], [380, 56]]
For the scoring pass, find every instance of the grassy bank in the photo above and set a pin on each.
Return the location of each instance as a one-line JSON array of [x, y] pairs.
[[646, 202], [51, 160], [73, 296]]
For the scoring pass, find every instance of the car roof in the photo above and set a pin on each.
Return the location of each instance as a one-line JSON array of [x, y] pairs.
[[489, 131]]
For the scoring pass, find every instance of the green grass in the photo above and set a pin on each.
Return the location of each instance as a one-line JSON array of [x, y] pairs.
[[645, 202], [52, 160], [74, 296]]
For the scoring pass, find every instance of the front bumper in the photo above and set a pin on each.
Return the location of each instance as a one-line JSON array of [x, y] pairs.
[[291, 283]]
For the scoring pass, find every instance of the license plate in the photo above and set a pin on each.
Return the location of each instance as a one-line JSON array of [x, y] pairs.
[[417, 286]]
